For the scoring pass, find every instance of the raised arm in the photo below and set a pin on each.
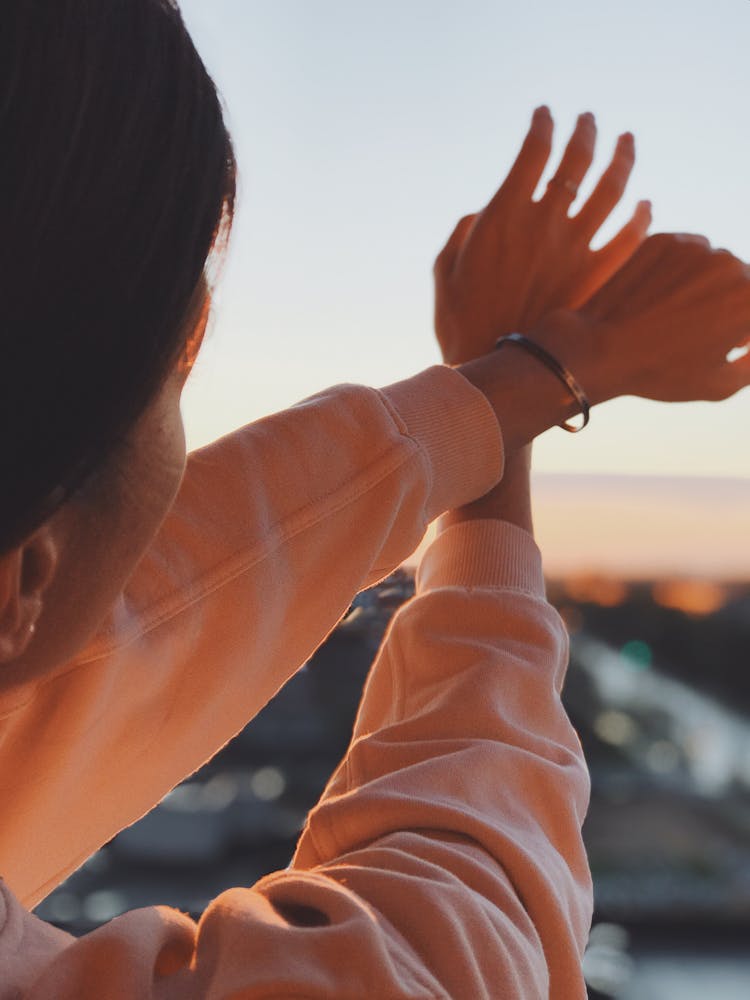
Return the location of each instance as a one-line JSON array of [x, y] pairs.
[[444, 859], [228, 602]]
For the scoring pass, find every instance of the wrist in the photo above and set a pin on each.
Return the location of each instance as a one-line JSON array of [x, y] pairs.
[[526, 397], [509, 501], [576, 342], [529, 397]]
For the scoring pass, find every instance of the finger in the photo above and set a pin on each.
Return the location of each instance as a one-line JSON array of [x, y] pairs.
[[693, 239], [575, 162], [731, 292], [447, 256], [663, 262], [684, 275], [615, 254], [528, 168], [735, 376], [630, 277], [610, 188], [623, 245], [698, 270]]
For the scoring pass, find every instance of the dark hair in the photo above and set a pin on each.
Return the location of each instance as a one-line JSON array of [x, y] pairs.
[[117, 181]]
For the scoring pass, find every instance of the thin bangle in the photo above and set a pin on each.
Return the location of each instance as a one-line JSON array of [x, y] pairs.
[[560, 370]]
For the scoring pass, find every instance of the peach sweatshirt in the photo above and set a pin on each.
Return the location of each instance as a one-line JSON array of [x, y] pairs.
[[445, 857]]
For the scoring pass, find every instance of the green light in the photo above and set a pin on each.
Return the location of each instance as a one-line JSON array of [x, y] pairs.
[[639, 653]]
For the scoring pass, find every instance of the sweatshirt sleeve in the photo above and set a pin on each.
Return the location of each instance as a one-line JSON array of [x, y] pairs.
[[444, 859], [275, 529]]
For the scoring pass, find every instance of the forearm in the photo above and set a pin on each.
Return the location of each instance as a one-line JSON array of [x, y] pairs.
[[275, 530], [445, 858], [527, 397], [461, 800], [509, 501]]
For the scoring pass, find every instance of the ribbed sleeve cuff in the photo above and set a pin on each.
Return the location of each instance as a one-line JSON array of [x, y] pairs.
[[457, 430], [482, 553]]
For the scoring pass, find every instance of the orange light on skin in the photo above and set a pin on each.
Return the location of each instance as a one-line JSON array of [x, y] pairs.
[[607, 592], [693, 597]]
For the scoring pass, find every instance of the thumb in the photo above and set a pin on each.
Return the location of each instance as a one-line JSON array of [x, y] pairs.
[[447, 256], [738, 373]]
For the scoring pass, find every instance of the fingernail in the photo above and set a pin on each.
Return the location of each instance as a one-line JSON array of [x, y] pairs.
[[586, 116], [627, 137], [541, 110]]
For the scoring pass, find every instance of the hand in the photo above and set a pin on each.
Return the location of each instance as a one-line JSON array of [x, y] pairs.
[[661, 328], [504, 268]]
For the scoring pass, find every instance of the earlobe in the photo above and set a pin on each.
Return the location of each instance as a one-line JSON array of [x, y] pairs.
[[25, 575]]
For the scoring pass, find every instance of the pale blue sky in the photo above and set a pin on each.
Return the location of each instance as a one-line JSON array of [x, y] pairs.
[[364, 130]]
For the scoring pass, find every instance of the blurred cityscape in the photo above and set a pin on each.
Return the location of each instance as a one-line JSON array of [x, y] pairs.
[[659, 691]]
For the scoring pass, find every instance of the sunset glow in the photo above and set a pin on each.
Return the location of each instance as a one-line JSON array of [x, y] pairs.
[[638, 527], [364, 132]]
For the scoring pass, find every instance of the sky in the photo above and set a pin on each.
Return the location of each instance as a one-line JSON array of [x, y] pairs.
[[636, 527], [365, 130]]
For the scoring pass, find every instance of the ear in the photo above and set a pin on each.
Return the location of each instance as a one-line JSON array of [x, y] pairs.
[[25, 575]]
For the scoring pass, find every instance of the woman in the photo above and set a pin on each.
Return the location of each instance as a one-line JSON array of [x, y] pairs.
[[149, 607]]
